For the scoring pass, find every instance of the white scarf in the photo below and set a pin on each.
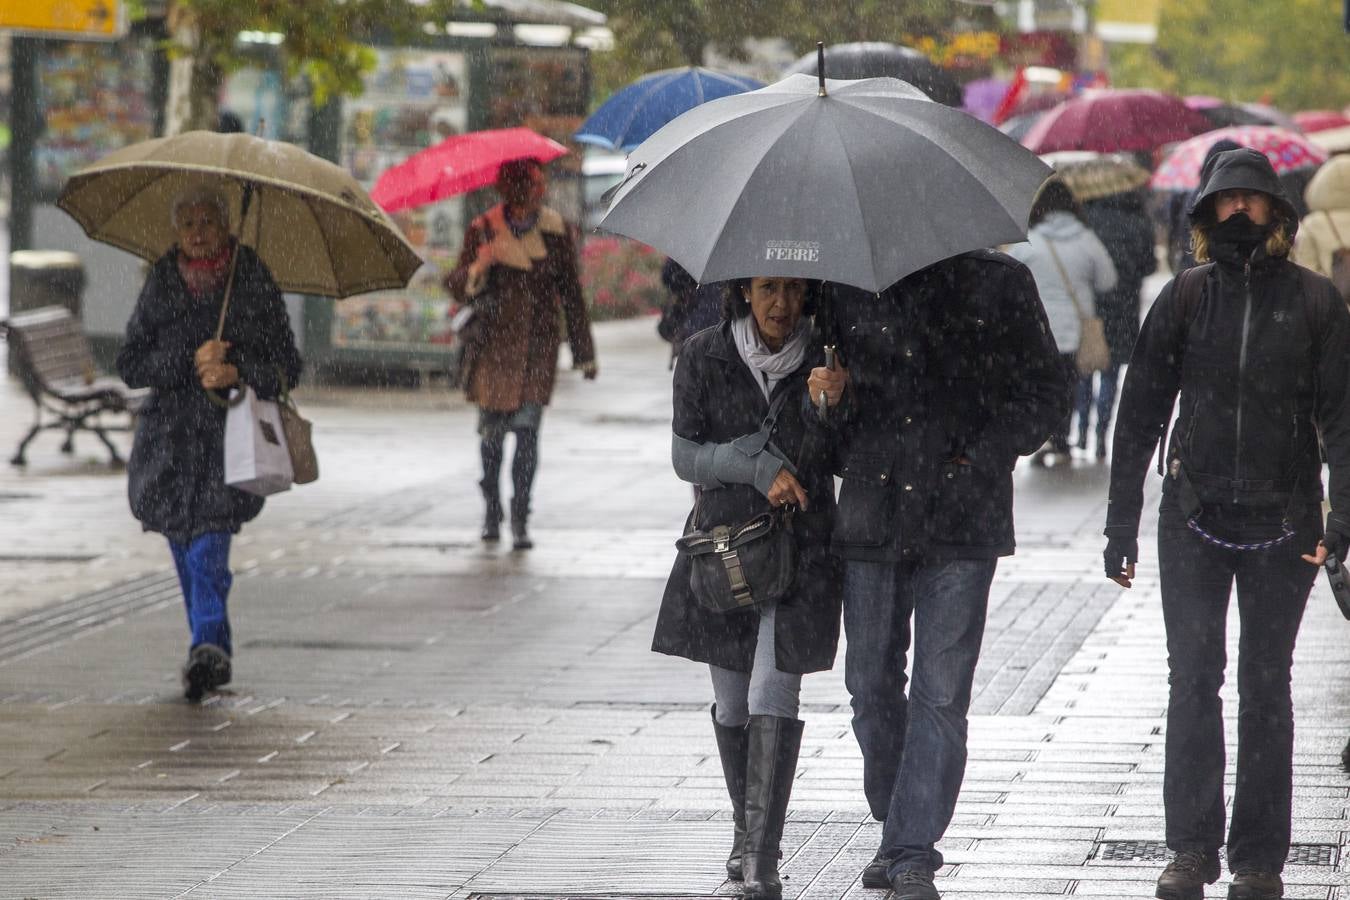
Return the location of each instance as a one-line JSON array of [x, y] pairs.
[[769, 367]]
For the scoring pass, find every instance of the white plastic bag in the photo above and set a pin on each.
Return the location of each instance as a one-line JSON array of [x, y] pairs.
[[256, 458]]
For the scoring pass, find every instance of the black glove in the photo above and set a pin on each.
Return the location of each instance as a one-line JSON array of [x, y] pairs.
[[1337, 538], [1119, 551]]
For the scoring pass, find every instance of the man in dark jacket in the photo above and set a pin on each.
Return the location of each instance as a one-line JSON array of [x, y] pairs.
[[945, 379], [1257, 348]]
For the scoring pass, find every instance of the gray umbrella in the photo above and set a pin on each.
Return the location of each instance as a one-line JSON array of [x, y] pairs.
[[858, 182]]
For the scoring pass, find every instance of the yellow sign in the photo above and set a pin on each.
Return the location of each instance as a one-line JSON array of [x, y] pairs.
[[1130, 21], [70, 19]]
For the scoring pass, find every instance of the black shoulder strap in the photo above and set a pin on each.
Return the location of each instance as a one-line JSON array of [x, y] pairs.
[[1188, 289], [775, 408], [1190, 286]]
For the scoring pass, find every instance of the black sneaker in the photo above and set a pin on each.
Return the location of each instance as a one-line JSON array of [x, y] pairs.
[[874, 873], [207, 668], [1252, 883], [914, 884], [1186, 876]]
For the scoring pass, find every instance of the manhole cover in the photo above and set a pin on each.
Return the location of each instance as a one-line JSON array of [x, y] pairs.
[[1156, 851]]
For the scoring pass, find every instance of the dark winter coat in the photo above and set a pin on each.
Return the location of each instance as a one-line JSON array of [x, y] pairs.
[[717, 401], [953, 374], [176, 475], [1259, 358], [1125, 228], [534, 276], [1260, 363]]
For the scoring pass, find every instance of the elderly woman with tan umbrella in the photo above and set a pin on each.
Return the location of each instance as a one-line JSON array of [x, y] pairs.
[[518, 266], [176, 473], [210, 318]]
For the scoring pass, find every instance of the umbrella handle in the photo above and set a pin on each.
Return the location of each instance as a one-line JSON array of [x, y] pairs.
[[234, 258], [820, 67], [823, 402]]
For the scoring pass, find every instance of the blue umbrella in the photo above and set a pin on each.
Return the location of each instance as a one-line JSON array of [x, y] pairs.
[[636, 112]]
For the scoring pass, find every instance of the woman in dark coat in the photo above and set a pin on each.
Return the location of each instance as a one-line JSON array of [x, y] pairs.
[[1256, 347], [727, 381], [176, 475], [1123, 225]]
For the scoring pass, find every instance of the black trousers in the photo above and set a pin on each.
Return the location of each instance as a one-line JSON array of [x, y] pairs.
[[1272, 591]]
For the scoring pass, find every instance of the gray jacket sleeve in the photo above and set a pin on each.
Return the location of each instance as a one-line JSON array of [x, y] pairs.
[[713, 466]]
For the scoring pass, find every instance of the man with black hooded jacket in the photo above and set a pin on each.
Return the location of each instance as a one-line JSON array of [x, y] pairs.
[[946, 377], [1257, 348]]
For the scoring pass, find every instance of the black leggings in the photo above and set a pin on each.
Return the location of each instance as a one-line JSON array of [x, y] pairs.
[[523, 464]]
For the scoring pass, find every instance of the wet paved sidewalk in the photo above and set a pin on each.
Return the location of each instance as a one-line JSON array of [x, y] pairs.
[[416, 715]]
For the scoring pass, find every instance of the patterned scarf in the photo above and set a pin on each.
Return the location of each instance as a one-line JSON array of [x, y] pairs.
[[205, 277]]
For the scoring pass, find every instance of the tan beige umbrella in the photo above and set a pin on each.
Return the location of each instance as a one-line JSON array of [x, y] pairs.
[[310, 221], [1090, 175]]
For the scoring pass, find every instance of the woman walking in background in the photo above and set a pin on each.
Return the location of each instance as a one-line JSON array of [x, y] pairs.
[[1121, 222], [1070, 267], [518, 266]]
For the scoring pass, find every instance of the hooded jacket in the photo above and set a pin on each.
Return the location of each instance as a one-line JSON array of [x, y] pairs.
[[1259, 362], [1125, 229], [1328, 197], [1085, 261]]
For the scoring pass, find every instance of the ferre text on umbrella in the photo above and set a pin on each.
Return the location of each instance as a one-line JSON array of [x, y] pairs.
[[803, 251]]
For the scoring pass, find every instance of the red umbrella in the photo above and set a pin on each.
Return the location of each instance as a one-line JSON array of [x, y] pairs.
[[1110, 121], [1311, 120], [457, 165]]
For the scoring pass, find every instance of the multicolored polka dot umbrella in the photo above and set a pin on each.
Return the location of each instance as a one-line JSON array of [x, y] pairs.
[[1287, 151]]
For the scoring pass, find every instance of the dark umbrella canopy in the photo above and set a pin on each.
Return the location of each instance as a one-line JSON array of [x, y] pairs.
[[877, 59], [863, 185]]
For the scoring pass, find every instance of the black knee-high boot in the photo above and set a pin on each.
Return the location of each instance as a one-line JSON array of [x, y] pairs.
[[771, 753], [523, 466], [490, 448], [732, 745]]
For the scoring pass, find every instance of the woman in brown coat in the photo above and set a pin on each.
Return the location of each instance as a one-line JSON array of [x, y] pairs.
[[517, 267]]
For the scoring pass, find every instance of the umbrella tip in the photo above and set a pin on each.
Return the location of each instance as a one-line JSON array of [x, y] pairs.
[[820, 65]]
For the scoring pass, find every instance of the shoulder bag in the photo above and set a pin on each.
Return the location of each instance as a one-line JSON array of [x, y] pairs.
[[745, 564], [1094, 354]]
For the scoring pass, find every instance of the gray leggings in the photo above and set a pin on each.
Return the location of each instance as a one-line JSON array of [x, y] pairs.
[[763, 691]]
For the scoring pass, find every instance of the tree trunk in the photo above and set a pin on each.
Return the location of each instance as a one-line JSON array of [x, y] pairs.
[[195, 79]]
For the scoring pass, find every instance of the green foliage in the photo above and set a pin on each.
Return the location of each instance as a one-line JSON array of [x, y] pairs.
[[1292, 53], [324, 39], [668, 33]]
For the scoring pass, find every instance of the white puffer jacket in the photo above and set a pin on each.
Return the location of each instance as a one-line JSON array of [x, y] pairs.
[[1328, 198], [1086, 263]]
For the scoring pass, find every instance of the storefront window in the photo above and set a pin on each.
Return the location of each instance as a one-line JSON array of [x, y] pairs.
[[94, 99], [413, 99]]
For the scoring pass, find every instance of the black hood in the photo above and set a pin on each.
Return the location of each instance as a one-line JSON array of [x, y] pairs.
[[1242, 168]]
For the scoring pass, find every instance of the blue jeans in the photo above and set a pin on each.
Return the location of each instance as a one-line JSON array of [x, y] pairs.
[[1107, 380], [914, 752], [203, 566]]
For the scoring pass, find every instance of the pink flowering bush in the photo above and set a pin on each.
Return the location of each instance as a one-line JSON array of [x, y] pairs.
[[620, 278]]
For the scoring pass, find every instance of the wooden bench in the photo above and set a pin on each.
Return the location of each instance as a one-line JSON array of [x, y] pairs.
[[54, 361]]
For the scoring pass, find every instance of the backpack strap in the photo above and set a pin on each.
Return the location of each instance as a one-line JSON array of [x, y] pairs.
[[1189, 288]]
